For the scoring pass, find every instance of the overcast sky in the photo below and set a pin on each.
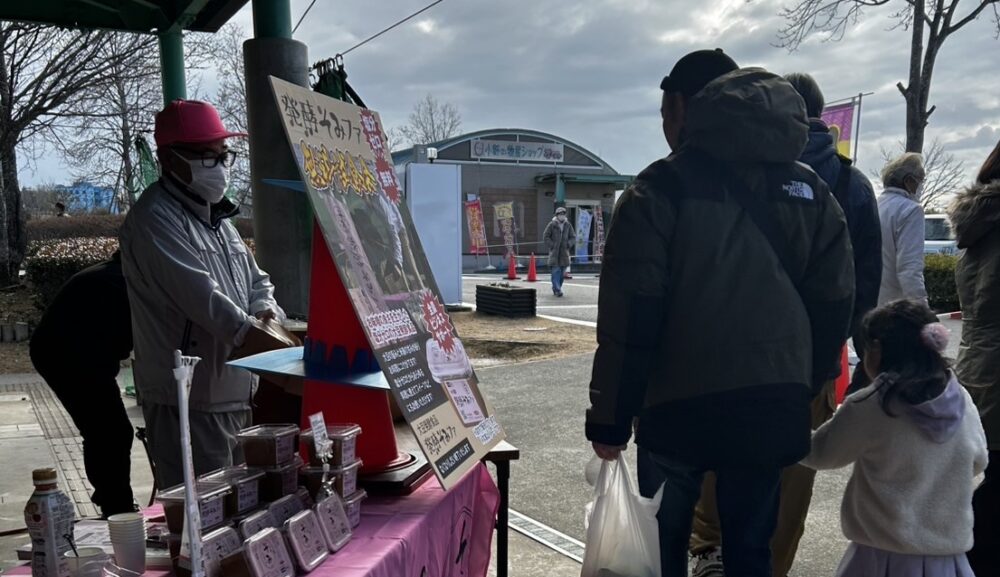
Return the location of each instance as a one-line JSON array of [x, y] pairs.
[[588, 71]]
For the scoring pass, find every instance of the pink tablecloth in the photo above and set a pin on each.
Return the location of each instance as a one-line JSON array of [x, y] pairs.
[[427, 533], [448, 534]]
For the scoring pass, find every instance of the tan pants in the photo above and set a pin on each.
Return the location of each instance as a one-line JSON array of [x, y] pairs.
[[793, 506]]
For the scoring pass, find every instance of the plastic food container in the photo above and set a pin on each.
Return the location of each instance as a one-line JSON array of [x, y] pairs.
[[256, 523], [352, 505], [268, 445], [344, 442], [345, 479], [284, 509], [218, 545], [245, 485], [306, 541], [333, 522], [211, 498], [280, 481], [267, 556]]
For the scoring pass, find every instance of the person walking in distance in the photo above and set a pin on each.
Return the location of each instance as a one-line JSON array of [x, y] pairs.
[[725, 298], [560, 238]]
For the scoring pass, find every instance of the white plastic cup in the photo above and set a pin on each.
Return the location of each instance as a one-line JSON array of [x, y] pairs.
[[86, 561], [130, 554]]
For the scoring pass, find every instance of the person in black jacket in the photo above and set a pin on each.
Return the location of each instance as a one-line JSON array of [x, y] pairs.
[[857, 199], [78, 347], [726, 294], [854, 193]]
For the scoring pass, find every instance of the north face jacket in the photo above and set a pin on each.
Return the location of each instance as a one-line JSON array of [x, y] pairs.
[[697, 313], [975, 218], [193, 286]]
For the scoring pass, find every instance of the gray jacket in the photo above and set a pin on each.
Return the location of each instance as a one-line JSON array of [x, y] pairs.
[[192, 285], [902, 220], [560, 242]]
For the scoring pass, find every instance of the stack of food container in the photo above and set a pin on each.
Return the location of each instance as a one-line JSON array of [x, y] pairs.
[[343, 468]]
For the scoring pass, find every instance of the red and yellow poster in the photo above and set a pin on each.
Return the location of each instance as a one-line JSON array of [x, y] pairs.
[[343, 156], [477, 227], [840, 119]]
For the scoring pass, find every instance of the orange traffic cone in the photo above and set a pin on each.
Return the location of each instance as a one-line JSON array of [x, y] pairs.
[[532, 272], [512, 268]]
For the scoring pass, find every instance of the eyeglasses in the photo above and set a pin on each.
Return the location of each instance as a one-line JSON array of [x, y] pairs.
[[208, 159]]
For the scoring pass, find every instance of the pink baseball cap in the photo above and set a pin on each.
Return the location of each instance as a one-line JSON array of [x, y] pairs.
[[189, 122]]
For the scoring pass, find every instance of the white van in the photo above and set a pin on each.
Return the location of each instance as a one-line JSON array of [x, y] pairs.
[[938, 236]]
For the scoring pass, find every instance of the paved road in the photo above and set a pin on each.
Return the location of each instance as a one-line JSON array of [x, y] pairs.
[[541, 406]]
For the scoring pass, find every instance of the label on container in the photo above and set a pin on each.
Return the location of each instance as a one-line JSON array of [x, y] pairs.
[[284, 448], [247, 496], [212, 512], [267, 555], [349, 450], [49, 518], [321, 441], [350, 481], [334, 522], [307, 541]]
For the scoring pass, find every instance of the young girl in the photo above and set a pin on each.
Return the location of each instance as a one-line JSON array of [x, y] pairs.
[[916, 442]]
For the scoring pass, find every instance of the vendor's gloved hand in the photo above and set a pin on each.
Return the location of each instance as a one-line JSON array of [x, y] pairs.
[[266, 315]]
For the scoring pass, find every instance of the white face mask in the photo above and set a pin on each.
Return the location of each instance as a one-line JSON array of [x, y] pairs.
[[210, 183], [561, 217]]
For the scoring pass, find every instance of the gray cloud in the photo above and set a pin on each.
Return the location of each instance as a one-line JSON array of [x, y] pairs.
[[589, 70]]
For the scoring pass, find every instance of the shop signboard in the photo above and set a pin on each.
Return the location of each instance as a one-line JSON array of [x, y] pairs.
[[546, 152], [344, 160]]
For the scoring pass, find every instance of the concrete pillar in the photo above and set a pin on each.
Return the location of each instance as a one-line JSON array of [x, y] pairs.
[[282, 218], [172, 65]]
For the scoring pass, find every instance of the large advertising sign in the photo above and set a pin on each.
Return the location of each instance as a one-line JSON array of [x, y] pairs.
[[343, 156], [547, 152]]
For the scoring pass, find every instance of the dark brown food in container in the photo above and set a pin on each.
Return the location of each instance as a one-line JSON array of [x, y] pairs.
[[245, 484], [280, 481], [210, 501], [345, 479], [343, 438], [268, 445]]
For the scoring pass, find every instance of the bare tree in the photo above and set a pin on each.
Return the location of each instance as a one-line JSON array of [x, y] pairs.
[[231, 100], [431, 121], [930, 23], [44, 75], [945, 174]]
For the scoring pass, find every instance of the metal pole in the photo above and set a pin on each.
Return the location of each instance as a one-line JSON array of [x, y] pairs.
[[857, 128], [560, 190], [172, 65], [272, 19]]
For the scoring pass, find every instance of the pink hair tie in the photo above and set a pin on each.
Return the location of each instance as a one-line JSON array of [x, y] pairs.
[[935, 335]]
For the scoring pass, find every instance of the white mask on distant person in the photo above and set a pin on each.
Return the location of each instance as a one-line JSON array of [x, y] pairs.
[[208, 182], [561, 217]]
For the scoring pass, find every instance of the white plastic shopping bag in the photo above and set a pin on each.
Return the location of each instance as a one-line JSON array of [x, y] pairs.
[[622, 534]]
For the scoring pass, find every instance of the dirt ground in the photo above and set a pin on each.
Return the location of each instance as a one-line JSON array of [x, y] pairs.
[[489, 340]]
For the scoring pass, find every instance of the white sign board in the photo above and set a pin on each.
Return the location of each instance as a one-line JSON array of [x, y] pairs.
[[434, 197]]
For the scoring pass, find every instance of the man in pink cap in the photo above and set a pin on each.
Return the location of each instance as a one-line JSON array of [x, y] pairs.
[[193, 286]]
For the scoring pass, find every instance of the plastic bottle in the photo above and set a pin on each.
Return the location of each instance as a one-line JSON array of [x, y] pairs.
[[49, 516]]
